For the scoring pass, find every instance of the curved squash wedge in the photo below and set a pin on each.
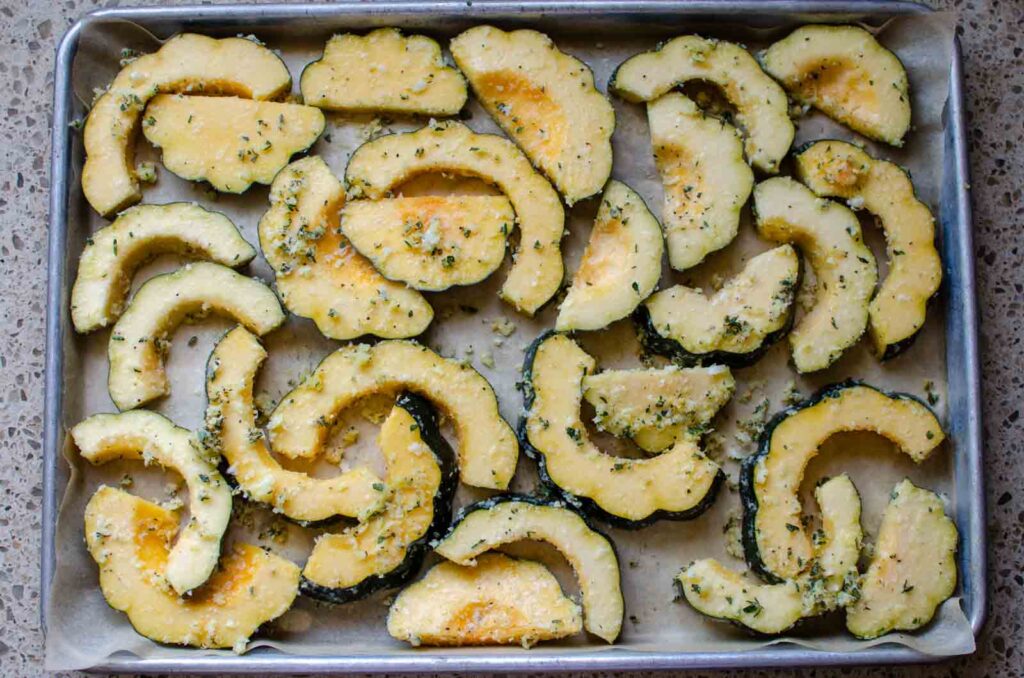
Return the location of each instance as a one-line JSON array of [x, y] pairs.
[[187, 63], [504, 519], [837, 169], [112, 254], [545, 100], [498, 601], [129, 539], [141, 337], [231, 431], [150, 437], [319, 274], [721, 593], [761, 105], [381, 165], [487, 446]]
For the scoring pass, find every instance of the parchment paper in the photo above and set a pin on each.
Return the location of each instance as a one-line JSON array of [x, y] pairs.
[[471, 324]]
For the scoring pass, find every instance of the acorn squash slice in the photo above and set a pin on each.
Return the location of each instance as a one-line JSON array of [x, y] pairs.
[[187, 63], [487, 446], [762, 109], [679, 484], [545, 100], [775, 542], [431, 242], [499, 601], [112, 254], [229, 142], [381, 165], [734, 326], [504, 519], [829, 236], [319, 274], [705, 178], [656, 407], [231, 431], [721, 593], [620, 266], [846, 74], [837, 169], [914, 568], [147, 436], [129, 538], [383, 71], [141, 337], [387, 549]]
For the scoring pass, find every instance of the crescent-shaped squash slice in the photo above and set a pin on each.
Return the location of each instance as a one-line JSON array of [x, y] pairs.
[[319, 274], [620, 266], [186, 63], [231, 431], [381, 165], [499, 601], [545, 100], [431, 242], [487, 446], [147, 436], [735, 325], [387, 549], [774, 539], [141, 337], [837, 169], [129, 538], [504, 519], [762, 109], [718, 592], [679, 484], [829, 236], [112, 254], [845, 73], [383, 71], [705, 178]]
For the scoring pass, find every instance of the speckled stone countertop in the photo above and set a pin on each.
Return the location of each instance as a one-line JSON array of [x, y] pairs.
[[993, 41]]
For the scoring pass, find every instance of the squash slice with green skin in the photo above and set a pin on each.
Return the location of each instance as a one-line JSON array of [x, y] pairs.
[[379, 166], [141, 336], [187, 63], [229, 142], [319, 274], [112, 254], [129, 538], [487, 446], [231, 431], [545, 100], [844, 72], [620, 266], [762, 109], [431, 242], [837, 169], [149, 437], [498, 601]]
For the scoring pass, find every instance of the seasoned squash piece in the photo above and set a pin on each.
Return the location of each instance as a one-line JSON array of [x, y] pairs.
[[381, 165], [545, 100], [845, 73], [431, 242], [186, 63], [141, 337], [498, 601], [831, 580], [383, 71], [762, 109], [319, 274], [229, 142], [718, 592], [112, 254], [704, 175], [129, 538], [837, 169]]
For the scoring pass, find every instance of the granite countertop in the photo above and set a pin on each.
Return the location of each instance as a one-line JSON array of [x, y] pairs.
[[993, 39]]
